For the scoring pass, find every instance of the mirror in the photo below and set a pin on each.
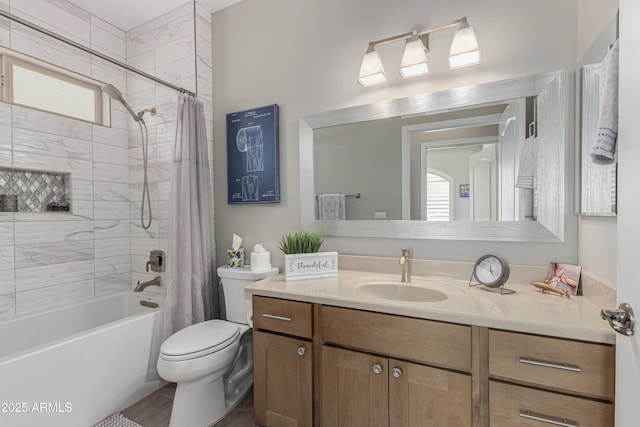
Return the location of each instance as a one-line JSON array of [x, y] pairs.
[[482, 129], [453, 166], [598, 182]]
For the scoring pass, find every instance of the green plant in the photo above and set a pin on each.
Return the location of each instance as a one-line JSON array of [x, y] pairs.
[[301, 242]]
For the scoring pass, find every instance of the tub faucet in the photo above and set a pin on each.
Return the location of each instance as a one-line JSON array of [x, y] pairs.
[[141, 286], [405, 261]]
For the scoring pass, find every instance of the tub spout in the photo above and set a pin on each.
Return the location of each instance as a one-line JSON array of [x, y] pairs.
[[142, 285]]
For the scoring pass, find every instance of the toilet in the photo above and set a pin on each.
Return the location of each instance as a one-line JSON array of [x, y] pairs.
[[212, 361]]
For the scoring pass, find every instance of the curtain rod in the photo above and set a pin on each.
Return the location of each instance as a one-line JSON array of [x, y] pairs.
[[91, 51]]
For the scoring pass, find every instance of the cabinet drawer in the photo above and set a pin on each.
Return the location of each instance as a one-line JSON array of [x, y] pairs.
[[580, 367], [435, 343], [286, 317], [511, 405]]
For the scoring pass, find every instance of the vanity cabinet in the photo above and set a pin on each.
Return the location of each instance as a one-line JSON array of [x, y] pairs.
[[329, 366], [362, 389], [283, 362], [375, 370], [535, 379]]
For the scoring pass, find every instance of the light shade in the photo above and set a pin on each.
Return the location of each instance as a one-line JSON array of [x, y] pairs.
[[414, 59], [371, 69], [464, 48]]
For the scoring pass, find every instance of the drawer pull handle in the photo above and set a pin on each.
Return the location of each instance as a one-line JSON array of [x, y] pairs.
[[377, 369], [302, 351], [563, 366], [562, 422], [274, 317]]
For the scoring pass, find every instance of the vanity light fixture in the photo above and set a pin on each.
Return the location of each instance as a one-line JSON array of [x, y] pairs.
[[464, 52], [371, 69], [414, 57]]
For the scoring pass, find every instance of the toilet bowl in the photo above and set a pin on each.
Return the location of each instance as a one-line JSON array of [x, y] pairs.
[[212, 362]]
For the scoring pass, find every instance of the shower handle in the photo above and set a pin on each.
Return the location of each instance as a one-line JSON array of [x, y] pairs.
[[156, 261]]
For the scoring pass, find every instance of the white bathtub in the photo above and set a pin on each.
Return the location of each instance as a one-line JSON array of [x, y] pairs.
[[76, 365]]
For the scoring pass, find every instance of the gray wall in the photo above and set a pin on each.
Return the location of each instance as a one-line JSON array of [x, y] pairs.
[[304, 55], [363, 158]]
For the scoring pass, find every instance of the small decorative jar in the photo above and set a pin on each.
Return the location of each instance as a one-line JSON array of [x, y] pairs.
[[8, 203]]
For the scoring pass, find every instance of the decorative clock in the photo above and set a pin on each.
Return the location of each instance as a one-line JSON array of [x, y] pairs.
[[492, 272]]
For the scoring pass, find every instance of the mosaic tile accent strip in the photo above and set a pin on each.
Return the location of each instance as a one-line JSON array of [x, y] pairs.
[[35, 189]]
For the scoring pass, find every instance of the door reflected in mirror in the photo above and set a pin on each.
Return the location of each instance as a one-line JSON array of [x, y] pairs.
[[446, 169]]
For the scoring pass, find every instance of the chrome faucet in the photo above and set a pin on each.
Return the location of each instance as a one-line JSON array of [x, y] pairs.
[[141, 286], [405, 261]]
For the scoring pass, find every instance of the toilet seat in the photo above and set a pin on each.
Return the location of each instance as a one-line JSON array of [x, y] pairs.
[[199, 340]]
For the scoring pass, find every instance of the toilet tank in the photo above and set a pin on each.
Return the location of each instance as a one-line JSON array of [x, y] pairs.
[[233, 282]]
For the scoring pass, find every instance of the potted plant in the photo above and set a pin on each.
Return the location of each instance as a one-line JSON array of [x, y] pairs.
[[302, 259]]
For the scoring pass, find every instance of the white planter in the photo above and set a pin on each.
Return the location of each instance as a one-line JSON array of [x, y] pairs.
[[309, 266]]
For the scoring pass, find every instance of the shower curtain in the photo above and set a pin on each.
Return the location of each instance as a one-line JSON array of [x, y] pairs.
[[191, 290]]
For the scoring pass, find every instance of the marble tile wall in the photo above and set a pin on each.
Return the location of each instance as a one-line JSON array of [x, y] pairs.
[[177, 48], [204, 70], [48, 259], [52, 259]]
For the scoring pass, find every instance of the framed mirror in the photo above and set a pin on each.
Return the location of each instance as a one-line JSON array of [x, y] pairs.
[[393, 190]]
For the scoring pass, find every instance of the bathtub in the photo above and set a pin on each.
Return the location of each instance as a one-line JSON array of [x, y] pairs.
[[76, 365]]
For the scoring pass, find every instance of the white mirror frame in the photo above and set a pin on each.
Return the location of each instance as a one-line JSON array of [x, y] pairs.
[[551, 90]]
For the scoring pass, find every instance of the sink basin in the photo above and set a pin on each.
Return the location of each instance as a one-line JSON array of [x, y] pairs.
[[402, 292]]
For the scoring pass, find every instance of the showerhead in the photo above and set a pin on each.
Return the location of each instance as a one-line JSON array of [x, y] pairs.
[[114, 93]]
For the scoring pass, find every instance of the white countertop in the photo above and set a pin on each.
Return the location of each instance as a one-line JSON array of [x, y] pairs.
[[527, 310]]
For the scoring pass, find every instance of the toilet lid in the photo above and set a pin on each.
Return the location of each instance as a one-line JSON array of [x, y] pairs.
[[199, 340]]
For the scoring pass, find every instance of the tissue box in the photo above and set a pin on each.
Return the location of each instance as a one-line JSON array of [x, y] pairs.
[[235, 258]]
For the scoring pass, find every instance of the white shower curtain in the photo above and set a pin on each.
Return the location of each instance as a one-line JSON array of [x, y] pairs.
[[191, 291]]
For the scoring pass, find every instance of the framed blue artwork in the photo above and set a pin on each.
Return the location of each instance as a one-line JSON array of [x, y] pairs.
[[253, 173]]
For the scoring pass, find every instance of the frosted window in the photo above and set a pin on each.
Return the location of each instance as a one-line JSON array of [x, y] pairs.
[[44, 89], [438, 198]]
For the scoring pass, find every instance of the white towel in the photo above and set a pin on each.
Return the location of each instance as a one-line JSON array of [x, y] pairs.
[[528, 164], [603, 151], [331, 207]]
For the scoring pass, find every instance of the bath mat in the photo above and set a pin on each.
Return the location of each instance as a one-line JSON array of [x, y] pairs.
[[117, 420]]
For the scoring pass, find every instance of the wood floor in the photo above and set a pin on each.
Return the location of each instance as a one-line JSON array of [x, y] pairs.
[[155, 410]]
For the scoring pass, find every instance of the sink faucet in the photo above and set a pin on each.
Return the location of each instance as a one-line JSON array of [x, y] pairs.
[[405, 261], [141, 286]]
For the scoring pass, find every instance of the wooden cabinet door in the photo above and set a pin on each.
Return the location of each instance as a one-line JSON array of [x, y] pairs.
[[353, 394], [283, 387], [424, 396]]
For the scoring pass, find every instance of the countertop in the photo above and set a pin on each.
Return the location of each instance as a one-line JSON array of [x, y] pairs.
[[527, 310]]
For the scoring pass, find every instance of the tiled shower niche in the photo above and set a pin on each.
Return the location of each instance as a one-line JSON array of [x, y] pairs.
[[37, 191]]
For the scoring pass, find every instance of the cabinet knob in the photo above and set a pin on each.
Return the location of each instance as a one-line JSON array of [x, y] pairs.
[[397, 372], [302, 351], [377, 368]]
